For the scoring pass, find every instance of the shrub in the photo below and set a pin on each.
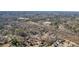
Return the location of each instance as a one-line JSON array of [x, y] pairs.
[[15, 42]]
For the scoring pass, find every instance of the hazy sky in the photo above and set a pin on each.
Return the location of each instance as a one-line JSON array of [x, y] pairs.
[[39, 5]]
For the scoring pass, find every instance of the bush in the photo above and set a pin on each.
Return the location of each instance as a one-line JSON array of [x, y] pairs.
[[15, 42], [20, 32]]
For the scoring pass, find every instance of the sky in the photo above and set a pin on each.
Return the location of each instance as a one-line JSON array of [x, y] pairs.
[[39, 5]]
